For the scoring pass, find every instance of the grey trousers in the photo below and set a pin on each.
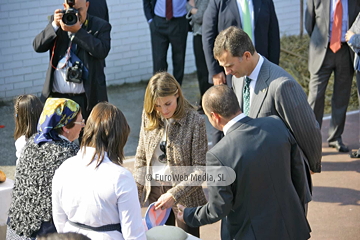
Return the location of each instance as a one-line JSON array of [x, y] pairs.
[[340, 64]]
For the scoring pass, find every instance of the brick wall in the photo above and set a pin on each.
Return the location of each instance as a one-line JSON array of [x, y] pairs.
[[22, 70], [288, 13]]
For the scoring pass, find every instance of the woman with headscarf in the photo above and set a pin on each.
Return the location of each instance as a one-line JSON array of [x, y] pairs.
[[30, 212], [92, 193], [172, 139]]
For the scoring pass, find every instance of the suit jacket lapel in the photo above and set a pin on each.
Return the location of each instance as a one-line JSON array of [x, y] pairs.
[[235, 10], [257, 7], [241, 88], [327, 16], [260, 91], [351, 12]]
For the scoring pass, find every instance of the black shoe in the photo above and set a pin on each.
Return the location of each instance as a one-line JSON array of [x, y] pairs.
[[355, 154], [200, 110], [339, 145]]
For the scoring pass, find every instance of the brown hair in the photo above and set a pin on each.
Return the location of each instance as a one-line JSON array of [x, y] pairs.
[[163, 84], [27, 110], [233, 40], [106, 130]]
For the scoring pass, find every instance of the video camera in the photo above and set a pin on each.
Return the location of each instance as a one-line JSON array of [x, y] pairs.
[[70, 16]]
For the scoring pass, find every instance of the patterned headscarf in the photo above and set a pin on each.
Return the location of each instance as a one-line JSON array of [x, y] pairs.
[[57, 112]]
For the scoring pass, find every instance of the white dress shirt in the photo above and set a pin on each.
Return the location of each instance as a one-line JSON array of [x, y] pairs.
[[232, 122], [345, 17], [179, 8], [96, 197], [254, 76]]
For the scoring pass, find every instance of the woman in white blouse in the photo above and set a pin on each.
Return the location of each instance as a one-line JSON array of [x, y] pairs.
[[92, 193]]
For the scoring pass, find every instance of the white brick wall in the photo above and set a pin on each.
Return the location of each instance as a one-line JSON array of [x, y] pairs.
[[288, 13], [22, 70]]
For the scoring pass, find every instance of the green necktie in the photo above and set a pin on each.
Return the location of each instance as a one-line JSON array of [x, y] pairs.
[[246, 25], [246, 96]]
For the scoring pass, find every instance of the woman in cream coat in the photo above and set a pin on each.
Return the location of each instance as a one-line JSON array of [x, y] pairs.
[[172, 135]]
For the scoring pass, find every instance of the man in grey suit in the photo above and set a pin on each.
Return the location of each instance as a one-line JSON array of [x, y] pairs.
[[221, 14], [329, 53], [266, 200], [272, 91]]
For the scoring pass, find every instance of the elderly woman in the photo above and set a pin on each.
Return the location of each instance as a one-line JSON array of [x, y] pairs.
[[92, 193], [172, 135], [30, 212]]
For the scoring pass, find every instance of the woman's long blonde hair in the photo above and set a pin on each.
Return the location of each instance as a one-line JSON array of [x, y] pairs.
[[163, 84]]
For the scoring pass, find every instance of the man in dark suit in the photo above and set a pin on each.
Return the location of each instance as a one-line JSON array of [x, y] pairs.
[[266, 200], [99, 8], [222, 14], [168, 25], [89, 40], [271, 91], [326, 23]]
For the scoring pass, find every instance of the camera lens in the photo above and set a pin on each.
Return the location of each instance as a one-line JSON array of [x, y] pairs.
[[70, 18]]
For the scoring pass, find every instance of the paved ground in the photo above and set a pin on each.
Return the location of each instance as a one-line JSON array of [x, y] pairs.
[[334, 212]]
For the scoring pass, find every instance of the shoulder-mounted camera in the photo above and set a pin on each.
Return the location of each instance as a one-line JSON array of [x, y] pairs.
[[70, 16]]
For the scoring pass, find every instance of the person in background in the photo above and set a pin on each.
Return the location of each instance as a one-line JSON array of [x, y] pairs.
[[172, 134], [196, 9], [99, 8], [92, 193], [87, 42], [30, 213], [27, 110], [168, 25], [326, 23], [352, 37]]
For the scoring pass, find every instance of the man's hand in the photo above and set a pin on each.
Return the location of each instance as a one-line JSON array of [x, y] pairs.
[[73, 29], [219, 78], [58, 16], [194, 11], [165, 201], [348, 35], [180, 213]]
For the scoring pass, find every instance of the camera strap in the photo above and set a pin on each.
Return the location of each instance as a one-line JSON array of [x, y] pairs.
[[67, 56], [74, 58]]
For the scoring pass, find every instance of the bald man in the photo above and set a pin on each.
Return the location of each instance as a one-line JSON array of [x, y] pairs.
[[268, 197], [87, 42]]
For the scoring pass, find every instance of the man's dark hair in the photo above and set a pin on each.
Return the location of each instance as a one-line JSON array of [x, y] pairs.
[[233, 40], [222, 100]]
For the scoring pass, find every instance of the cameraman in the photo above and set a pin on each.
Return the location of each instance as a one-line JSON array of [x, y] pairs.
[[88, 38]]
